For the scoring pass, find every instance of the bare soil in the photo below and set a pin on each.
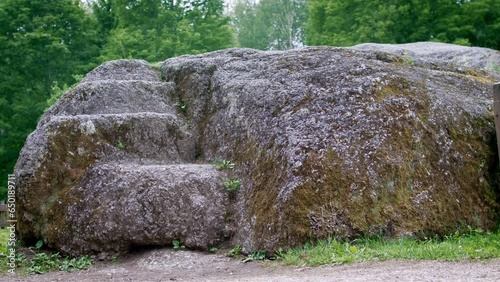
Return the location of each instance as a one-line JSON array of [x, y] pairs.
[[170, 265]]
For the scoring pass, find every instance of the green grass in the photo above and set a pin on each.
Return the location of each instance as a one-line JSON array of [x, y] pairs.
[[473, 245], [39, 261], [4, 238]]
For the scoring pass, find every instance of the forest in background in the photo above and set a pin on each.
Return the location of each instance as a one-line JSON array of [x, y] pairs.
[[48, 45]]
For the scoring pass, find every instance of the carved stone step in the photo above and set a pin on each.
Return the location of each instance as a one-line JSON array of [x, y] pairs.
[[130, 204]]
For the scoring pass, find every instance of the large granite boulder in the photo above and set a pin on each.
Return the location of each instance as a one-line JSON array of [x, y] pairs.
[[342, 142]]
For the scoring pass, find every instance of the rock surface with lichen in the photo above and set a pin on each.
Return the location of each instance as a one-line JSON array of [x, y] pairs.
[[343, 142]]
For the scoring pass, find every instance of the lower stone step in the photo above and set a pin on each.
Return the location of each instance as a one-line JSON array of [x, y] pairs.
[[116, 206]]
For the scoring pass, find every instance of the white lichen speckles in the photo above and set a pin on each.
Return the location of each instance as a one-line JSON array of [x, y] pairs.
[[421, 198], [87, 127]]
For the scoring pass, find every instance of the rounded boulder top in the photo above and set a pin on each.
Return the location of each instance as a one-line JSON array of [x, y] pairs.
[[123, 70], [472, 57]]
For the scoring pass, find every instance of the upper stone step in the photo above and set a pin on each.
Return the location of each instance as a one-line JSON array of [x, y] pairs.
[[138, 137], [124, 70], [115, 97]]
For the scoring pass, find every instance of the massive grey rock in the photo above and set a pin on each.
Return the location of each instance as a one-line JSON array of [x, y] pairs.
[[327, 142], [347, 143]]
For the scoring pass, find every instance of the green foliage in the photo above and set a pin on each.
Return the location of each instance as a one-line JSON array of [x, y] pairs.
[[42, 262], [120, 145], [20, 261], [39, 244], [346, 22], [470, 245], [223, 164], [234, 252], [495, 68], [270, 24], [105, 15], [75, 264], [57, 92], [177, 245], [260, 255], [407, 59], [41, 42], [4, 239], [232, 185], [155, 30], [480, 22], [183, 107]]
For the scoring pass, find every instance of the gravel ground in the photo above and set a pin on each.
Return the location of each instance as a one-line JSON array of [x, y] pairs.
[[169, 265]]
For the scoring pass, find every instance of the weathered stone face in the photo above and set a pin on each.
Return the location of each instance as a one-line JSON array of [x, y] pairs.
[[326, 141], [338, 142]]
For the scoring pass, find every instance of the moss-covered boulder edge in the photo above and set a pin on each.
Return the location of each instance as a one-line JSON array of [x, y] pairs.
[[389, 140]]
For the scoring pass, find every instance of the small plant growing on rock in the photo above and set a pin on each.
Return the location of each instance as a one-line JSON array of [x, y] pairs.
[[182, 107], [177, 245], [225, 165], [234, 252], [120, 145], [407, 59], [260, 255], [232, 185]]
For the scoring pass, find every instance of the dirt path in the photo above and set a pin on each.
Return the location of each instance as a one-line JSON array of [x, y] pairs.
[[169, 265]]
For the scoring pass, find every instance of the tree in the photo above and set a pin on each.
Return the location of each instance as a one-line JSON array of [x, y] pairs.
[[155, 30], [481, 20], [104, 12], [43, 43], [251, 29], [270, 24], [350, 22]]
